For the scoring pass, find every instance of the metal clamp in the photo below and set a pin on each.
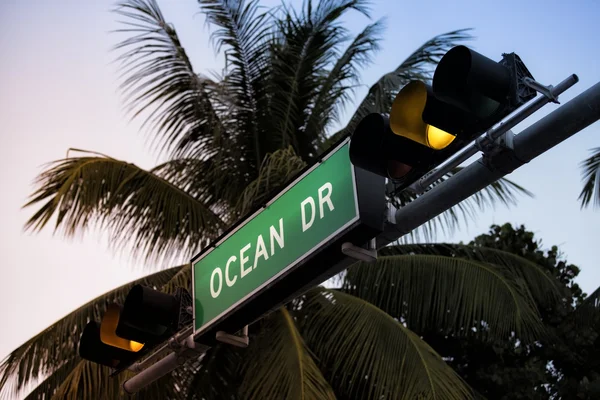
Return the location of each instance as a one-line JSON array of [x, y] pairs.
[[545, 90], [368, 255], [189, 349], [490, 146], [238, 341]]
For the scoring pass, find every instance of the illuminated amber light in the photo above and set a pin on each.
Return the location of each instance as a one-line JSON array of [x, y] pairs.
[[437, 138], [108, 331], [406, 118]]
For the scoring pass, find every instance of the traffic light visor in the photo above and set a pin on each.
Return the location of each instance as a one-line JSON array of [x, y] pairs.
[[108, 329], [91, 348], [406, 117], [148, 315], [471, 82]]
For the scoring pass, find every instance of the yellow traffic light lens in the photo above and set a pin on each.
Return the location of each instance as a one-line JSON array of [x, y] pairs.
[[108, 331], [406, 118], [438, 139]]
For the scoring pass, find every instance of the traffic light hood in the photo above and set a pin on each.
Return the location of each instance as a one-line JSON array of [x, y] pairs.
[[148, 315], [93, 349], [406, 116], [108, 330], [375, 148], [472, 82]]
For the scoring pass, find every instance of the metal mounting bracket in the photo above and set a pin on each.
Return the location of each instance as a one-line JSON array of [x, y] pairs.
[[545, 90], [490, 147], [185, 299], [234, 340], [368, 255]]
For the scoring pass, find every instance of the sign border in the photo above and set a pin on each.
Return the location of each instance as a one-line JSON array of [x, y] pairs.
[[267, 283]]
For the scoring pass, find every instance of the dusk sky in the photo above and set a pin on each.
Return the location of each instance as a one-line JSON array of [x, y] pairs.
[[58, 90]]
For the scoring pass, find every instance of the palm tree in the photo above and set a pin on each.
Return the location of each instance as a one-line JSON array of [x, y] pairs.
[[591, 176], [229, 141]]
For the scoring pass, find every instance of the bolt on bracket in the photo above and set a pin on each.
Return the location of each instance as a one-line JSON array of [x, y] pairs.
[[545, 90]]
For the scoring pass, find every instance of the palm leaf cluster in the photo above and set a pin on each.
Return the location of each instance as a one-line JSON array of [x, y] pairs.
[[590, 194], [229, 141], [356, 341]]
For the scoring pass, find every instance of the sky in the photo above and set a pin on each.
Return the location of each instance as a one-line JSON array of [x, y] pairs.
[[59, 90]]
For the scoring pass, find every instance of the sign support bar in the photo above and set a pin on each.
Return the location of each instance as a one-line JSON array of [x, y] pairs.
[[487, 139]]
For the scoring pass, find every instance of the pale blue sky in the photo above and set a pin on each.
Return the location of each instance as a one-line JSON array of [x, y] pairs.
[[58, 90]]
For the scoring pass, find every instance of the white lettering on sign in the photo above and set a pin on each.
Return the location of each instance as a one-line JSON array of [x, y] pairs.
[[324, 198], [276, 238], [306, 225], [214, 293], [244, 260], [230, 282], [261, 250]]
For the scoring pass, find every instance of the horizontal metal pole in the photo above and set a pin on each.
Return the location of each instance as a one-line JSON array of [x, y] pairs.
[[191, 349], [156, 371], [156, 354], [494, 133], [575, 115]]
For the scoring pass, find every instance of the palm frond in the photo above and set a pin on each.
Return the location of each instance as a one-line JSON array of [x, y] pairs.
[[218, 375], [47, 388], [591, 176], [503, 191], [48, 352], [365, 353], [306, 45], [588, 312], [158, 80], [243, 31], [88, 380], [418, 66], [216, 181], [158, 219], [432, 291], [544, 288], [277, 169], [335, 90], [281, 366]]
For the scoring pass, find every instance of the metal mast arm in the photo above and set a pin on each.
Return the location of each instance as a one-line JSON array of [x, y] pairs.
[[546, 133]]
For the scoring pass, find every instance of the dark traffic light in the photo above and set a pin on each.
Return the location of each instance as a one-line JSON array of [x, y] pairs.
[[427, 124], [92, 348], [127, 333]]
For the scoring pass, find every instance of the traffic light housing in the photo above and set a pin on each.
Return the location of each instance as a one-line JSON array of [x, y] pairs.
[[427, 124], [148, 315], [127, 333]]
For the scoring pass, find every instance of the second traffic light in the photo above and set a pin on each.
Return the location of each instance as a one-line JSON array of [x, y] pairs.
[[126, 333], [427, 124]]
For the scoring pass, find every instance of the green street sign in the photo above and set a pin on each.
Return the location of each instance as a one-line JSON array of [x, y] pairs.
[[316, 207]]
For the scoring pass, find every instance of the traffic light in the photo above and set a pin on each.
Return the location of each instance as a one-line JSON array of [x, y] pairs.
[[427, 124], [126, 333]]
